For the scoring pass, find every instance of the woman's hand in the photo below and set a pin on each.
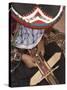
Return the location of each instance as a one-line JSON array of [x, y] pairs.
[[28, 60]]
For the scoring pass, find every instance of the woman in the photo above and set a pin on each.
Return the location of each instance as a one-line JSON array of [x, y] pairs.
[[30, 42]]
